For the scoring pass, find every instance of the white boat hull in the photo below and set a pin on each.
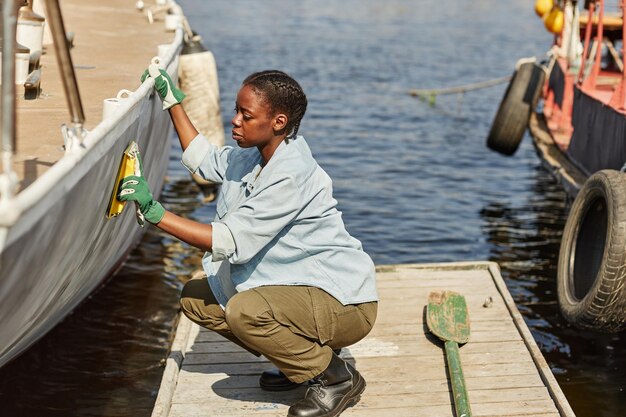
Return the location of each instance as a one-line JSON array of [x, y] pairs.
[[61, 246]]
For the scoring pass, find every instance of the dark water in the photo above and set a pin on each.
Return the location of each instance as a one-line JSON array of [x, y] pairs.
[[415, 184]]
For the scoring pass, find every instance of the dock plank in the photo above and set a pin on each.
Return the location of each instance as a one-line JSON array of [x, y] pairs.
[[403, 364]]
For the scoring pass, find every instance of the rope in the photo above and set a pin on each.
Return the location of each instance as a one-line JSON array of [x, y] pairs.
[[431, 94]]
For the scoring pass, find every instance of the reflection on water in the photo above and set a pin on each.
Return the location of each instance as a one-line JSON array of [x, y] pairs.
[[414, 183]]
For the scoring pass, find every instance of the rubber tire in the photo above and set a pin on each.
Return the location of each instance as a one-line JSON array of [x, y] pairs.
[[591, 277], [520, 98]]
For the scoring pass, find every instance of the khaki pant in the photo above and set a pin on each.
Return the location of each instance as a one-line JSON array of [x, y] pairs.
[[295, 327]]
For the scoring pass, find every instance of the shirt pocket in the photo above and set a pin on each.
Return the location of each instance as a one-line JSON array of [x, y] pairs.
[[222, 208]]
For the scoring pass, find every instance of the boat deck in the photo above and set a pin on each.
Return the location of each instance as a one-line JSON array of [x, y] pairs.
[[403, 364], [121, 34]]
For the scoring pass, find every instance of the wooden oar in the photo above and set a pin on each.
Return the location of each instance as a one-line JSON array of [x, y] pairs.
[[447, 318]]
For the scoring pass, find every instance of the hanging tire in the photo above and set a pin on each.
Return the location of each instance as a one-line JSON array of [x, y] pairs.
[[591, 277], [519, 100]]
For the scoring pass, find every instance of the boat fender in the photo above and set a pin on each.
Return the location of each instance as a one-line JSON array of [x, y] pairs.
[[554, 20], [543, 6], [591, 276], [520, 99], [197, 74]]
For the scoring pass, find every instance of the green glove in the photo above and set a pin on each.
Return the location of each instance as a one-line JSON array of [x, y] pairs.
[[169, 93], [136, 189]]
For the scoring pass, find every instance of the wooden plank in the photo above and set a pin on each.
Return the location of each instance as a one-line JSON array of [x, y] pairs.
[[402, 298], [397, 371], [404, 398], [544, 370], [375, 347], [513, 408], [431, 359], [493, 315], [412, 329], [242, 408], [407, 281], [480, 331], [376, 385]]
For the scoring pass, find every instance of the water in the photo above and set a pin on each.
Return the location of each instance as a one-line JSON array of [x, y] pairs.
[[414, 183]]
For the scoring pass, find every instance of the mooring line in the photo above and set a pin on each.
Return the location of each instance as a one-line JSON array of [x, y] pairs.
[[431, 94]]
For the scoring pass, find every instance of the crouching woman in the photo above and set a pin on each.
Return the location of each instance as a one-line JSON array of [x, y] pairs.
[[284, 277]]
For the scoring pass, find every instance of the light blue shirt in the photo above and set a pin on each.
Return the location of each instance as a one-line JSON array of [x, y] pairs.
[[278, 225]]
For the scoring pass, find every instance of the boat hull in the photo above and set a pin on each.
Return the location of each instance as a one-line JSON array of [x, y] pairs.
[[553, 158], [62, 246]]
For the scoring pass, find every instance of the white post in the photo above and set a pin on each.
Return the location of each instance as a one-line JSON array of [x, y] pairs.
[[8, 179]]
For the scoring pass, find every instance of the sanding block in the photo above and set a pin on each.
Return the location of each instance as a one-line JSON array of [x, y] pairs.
[[129, 165]]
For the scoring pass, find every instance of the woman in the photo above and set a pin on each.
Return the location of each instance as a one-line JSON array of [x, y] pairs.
[[285, 279]]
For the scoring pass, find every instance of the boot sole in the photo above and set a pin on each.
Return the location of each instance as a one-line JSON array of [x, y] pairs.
[[351, 398], [279, 388]]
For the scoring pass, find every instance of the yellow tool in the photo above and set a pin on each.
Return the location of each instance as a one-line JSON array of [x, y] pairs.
[[129, 165]]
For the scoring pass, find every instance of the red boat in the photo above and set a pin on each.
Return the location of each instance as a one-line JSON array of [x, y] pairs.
[[574, 104]]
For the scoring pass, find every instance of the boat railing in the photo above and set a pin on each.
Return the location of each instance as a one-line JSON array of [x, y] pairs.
[[584, 71], [588, 73], [74, 134]]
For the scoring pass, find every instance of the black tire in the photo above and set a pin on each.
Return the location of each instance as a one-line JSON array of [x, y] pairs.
[[520, 98], [591, 278]]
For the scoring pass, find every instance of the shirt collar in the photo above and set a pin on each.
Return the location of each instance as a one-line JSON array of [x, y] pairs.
[[249, 179]]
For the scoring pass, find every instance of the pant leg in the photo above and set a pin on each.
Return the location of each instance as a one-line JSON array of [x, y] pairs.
[[296, 327], [198, 303]]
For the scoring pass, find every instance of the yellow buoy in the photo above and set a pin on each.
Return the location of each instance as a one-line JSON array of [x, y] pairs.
[[543, 6], [554, 20]]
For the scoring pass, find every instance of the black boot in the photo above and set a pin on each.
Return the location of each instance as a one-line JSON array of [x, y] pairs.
[[331, 392], [275, 380]]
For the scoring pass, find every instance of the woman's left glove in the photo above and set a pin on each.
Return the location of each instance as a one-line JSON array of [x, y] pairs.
[[136, 189], [163, 84]]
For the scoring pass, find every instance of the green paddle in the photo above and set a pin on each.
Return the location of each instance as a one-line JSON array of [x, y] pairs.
[[447, 318]]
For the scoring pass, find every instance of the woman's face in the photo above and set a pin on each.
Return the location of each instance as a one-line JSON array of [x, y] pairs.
[[253, 123]]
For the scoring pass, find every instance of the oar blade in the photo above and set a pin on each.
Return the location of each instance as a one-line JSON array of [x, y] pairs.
[[447, 316]]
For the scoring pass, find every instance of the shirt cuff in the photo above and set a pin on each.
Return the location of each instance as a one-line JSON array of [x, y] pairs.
[[223, 242], [195, 153]]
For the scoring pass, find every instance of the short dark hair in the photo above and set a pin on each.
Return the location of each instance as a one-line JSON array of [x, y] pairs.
[[283, 94]]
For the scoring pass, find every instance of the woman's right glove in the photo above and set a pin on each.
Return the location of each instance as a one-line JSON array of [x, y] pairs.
[[133, 188], [169, 93]]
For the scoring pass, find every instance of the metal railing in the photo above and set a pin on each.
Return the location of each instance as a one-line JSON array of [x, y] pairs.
[[64, 60]]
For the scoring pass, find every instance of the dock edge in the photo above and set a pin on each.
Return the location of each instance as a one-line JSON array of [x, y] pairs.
[[540, 362], [172, 368]]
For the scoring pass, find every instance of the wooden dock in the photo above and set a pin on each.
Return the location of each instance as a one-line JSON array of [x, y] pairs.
[[403, 364]]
